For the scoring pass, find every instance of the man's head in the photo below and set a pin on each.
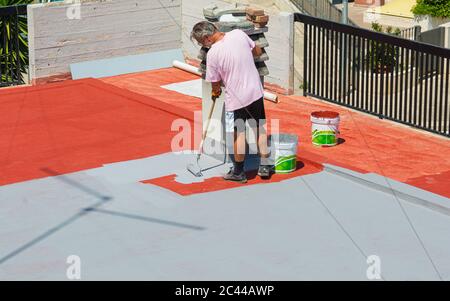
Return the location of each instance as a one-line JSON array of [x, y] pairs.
[[203, 33]]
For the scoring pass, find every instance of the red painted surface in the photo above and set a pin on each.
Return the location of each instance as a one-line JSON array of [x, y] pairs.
[[368, 145], [304, 167], [78, 125], [149, 84]]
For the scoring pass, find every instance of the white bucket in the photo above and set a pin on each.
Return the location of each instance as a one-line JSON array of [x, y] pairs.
[[284, 148], [325, 128]]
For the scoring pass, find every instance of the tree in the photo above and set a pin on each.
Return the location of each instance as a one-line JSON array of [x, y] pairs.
[[8, 32], [434, 8]]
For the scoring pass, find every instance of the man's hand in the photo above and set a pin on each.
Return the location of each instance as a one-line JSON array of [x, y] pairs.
[[216, 95], [216, 90]]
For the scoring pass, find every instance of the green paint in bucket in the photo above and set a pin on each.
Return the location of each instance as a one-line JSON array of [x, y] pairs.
[[325, 128], [285, 150]]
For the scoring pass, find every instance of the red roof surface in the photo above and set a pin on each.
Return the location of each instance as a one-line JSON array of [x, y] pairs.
[[77, 125], [371, 145]]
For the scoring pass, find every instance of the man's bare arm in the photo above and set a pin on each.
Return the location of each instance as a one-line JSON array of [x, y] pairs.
[[257, 51]]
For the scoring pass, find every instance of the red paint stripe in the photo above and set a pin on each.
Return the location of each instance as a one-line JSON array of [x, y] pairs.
[[305, 167]]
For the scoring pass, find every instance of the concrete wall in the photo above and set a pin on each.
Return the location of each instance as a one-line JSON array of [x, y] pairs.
[[446, 26], [280, 38], [429, 22], [63, 33]]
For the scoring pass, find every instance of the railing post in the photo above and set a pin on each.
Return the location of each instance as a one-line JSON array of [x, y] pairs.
[[344, 48], [345, 12], [417, 32], [305, 60]]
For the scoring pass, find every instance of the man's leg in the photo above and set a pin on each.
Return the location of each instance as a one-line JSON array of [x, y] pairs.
[[263, 146], [265, 167], [239, 150], [259, 119], [237, 173]]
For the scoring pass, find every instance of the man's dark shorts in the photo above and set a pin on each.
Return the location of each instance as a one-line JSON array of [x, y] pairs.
[[254, 113]]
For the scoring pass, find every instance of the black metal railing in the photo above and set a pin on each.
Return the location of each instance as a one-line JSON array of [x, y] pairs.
[[411, 33], [387, 76], [11, 45], [320, 9]]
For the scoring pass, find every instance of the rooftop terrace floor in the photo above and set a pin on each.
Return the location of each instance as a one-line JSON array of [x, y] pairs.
[[87, 171]]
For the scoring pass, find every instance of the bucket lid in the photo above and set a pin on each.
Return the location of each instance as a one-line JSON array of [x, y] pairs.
[[325, 114]]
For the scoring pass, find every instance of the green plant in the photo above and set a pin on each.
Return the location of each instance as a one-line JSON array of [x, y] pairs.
[[303, 86], [434, 8], [8, 32], [382, 57]]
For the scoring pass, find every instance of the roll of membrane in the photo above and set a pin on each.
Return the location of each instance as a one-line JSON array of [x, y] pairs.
[[186, 67]]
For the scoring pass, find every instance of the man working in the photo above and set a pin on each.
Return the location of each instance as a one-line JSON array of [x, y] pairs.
[[230, 61]]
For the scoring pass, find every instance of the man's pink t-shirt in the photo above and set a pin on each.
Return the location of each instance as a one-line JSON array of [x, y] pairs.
[[231, 60]]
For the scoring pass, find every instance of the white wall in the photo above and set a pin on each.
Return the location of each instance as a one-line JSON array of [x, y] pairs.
[[280, 38], [447, 34], [105, 29]]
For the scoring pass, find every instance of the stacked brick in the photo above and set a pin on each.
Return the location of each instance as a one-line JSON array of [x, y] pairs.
[[257, 17], [252, 21]]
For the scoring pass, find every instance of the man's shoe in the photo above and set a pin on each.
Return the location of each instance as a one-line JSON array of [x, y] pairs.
[[264, 171], [231, 176]]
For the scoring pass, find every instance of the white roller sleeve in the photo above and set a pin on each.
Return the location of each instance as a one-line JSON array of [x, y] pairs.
[[192, 69], [186, 67], [270, 97]]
